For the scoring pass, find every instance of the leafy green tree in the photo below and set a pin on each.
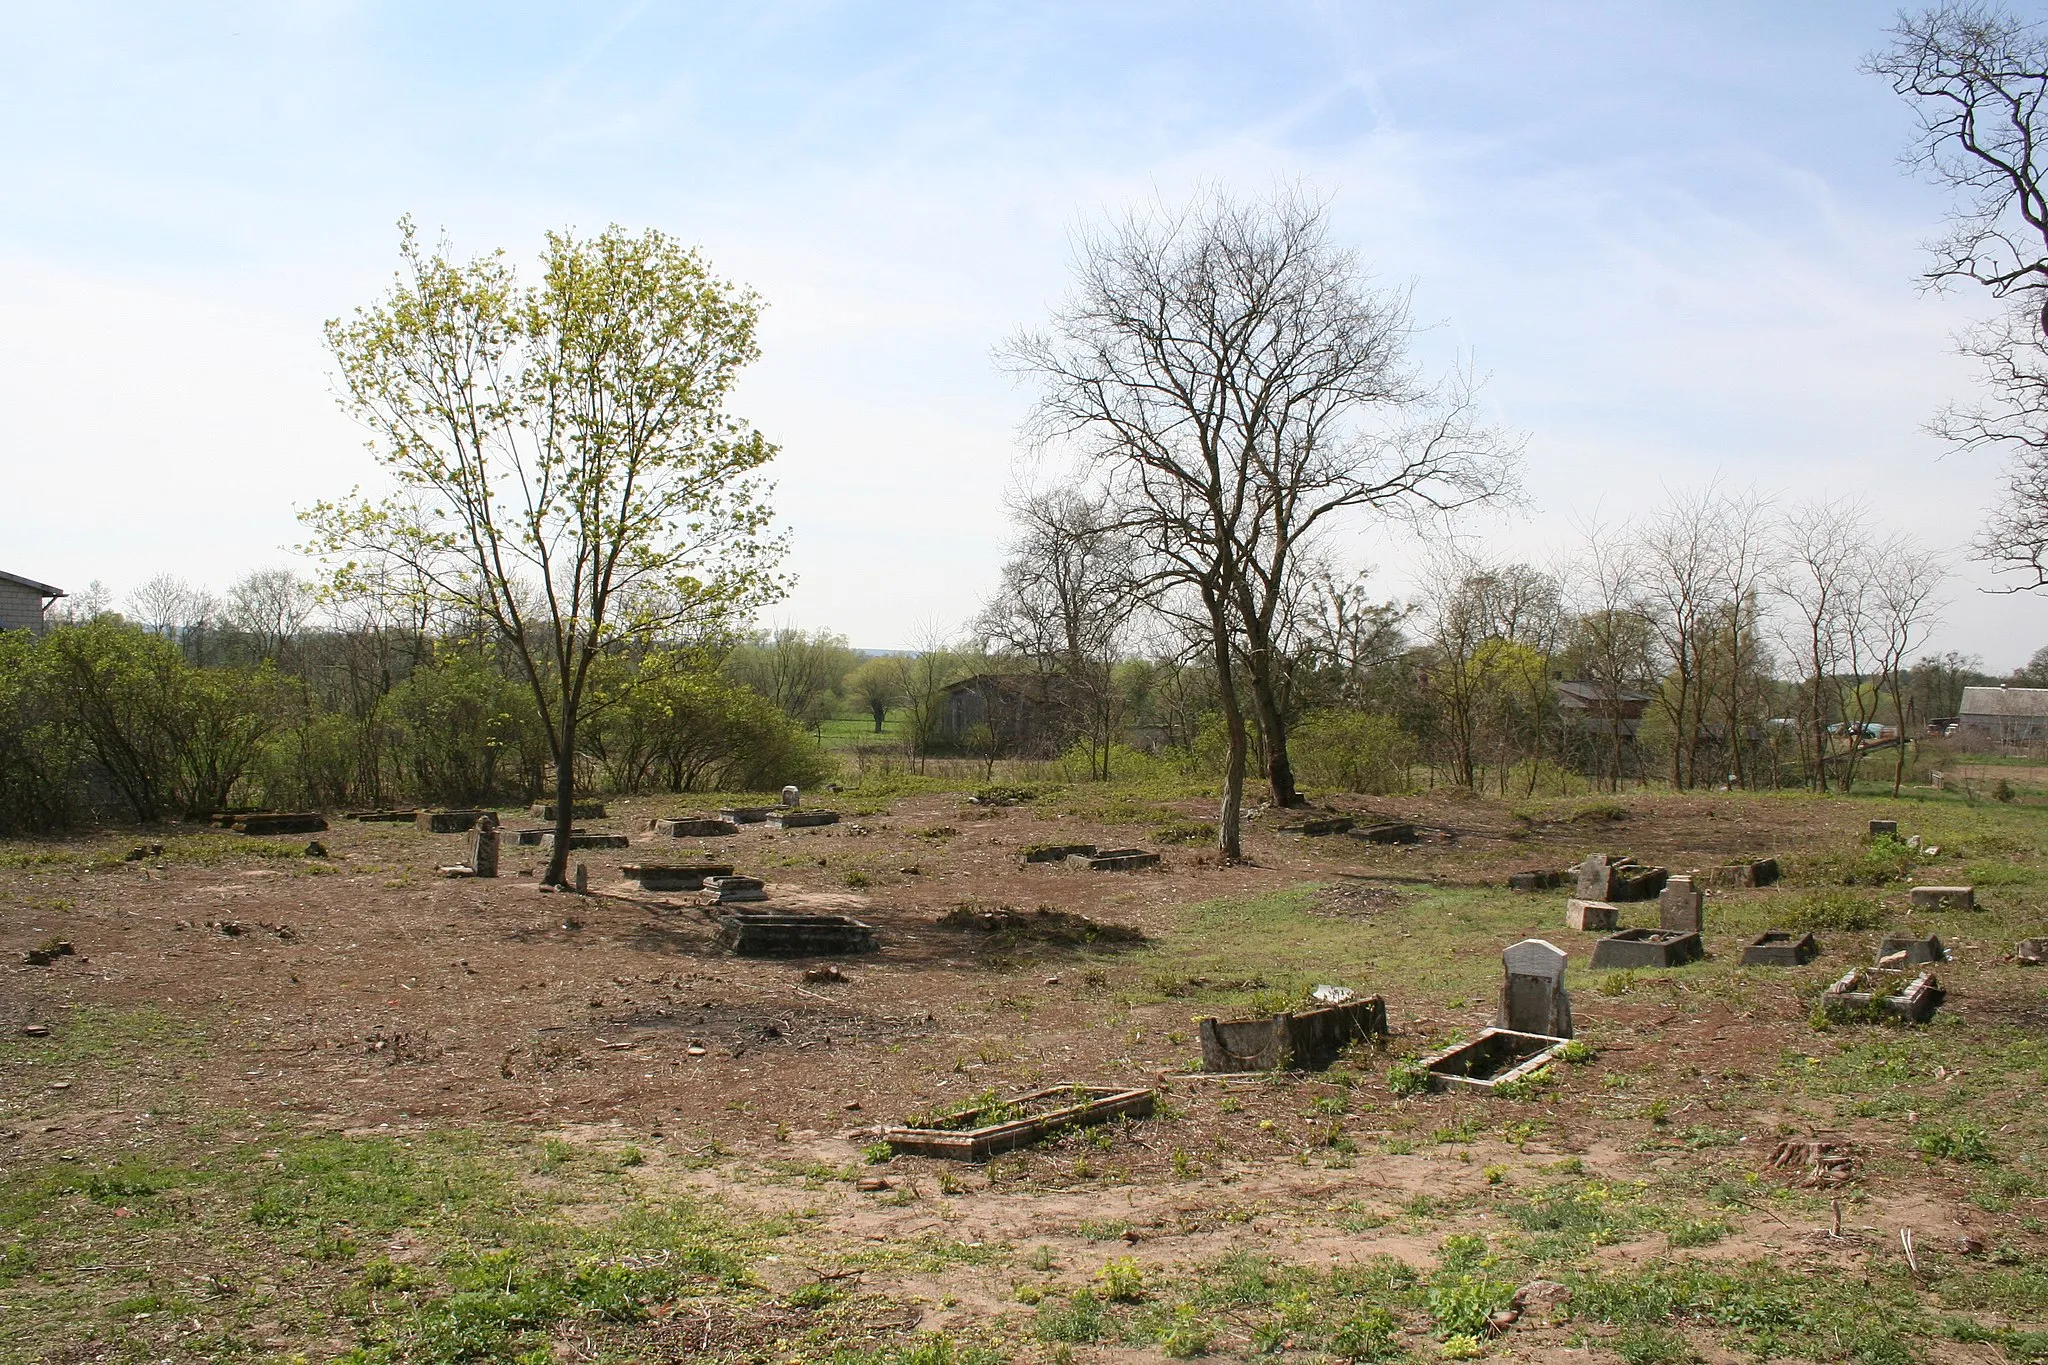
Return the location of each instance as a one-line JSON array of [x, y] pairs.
[[568, 472], [876, 685]]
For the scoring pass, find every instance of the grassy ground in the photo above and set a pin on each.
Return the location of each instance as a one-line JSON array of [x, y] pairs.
[[157, 1204]]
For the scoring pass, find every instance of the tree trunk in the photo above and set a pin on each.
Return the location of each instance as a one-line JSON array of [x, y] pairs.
[[1273, 727], [557, 873], [1230, 819], [880, 711]]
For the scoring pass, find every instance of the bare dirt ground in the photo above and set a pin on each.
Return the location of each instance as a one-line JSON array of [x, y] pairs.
[[363, 993]]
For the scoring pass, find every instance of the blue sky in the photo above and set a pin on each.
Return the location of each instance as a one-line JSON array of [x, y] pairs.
[[1677, 237]]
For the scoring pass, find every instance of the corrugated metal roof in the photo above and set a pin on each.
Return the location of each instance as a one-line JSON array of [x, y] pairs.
[[44, 588], [2030, 702]]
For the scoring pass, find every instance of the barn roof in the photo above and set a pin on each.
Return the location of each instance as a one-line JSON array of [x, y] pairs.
[[2031, 702], [44, 588]]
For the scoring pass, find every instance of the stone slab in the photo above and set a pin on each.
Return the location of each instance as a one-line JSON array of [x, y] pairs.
[[803, 819], [1591, 916], [279, 822], [1316, 826], [1116, 860], [1944, 898], [1917, 950], [1386, 832], [674, 876], [746, 815], [578, 810], [1057, 853], [771, 934], [1780, 948], [1878, 827], [1308, 1039], [1538, 880], [447, 821], [1647, 948], [694, 827]]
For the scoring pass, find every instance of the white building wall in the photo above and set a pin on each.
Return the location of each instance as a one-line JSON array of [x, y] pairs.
[[20, 608]]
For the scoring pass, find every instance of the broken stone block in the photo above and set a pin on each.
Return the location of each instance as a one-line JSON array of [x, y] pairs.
[[1532, 995], [1681, 907], [1647, 948], [2033, 951], [1944, 898], [1917, 950], [1387, 832], [695, 827], [1591, 916], [1780, 949], [1745, 872], [1543, 880], [1878, 827], [1634, 882]]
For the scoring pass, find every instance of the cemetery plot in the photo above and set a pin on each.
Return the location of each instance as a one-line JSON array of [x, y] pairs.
[[674, 876], [1310, 1039], [1864, 992], [1005, 1125], [1647, 948], [1497, 1057], [694, 827], [1780, 949], [768, 933]]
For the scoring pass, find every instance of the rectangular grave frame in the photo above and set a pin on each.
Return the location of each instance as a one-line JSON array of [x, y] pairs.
[[279, 822], [797, 818], [1101, 1105], [1743, 874], [579, 839], [1780, 948], [694, 827], [1536, 879], [447, 821], [780, 933], [1308, 1040], [1317, 826], [1651, 949], [385, 817], [1118, 860], [674, 876], [1914, 1003], [578, 810], [1451, 1067], [1057, 853], [746, 815], [1919, 950], [1387, 832], [1942, 898]]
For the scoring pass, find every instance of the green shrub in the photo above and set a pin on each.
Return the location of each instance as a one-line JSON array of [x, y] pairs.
[[1840, 911], [1408, 1077], [1958, 1141], [1186, 832], [1352, 751]]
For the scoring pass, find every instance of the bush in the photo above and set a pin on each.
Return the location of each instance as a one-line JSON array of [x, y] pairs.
[[1353, 751], [1842, 911]]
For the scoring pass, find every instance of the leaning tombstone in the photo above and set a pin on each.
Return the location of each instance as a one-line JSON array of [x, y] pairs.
[[1591, 916], [1532, 994], [1596, 878], [483, 846], [1681, 907]]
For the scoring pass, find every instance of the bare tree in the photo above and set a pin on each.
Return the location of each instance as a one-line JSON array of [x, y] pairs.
[[272, 607], [1976, 75], [1237, 387], [1612, 636], [1068, 591], [1904, 607], [1822, 580], [1682, 580]]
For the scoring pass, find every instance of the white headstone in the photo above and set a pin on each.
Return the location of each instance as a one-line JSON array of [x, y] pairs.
[[791, 796]]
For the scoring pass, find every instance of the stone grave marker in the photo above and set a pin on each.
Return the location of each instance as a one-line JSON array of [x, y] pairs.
[[1682, 907], [1532, 994], [483, 846], [1596, 877], [1878, 827], [792, 797], [1944, 898], [1591, 916]]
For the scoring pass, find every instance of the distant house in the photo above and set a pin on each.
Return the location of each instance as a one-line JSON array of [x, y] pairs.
[[22, 602], [2003, 715], [1597, 709], [1014, 713]]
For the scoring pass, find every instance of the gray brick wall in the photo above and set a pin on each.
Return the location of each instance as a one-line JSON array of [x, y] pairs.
[[20, 608]]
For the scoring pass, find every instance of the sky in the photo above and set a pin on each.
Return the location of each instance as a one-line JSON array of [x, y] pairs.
[[1678, 239]]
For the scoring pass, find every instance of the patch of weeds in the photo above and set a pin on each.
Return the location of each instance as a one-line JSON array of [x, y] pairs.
[[1079, 1319], [1408, 1077], [1835, 910], [1183, 1333], [1698, 1232], [875, 1153], [927, 1348], [1367, 1335], [1653, 1346], [1961, 1140], [1462, 1346], [858, 881], [1186, 832], [1466, 1129], [1460, 1304], [1122, 1280], [1575, 1053]]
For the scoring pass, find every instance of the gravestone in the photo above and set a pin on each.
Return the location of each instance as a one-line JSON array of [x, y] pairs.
[[1596, 877], [791, 797], [1591, 916], [1532, 994], [1878, 827], [695, 827], [1744, 872], [483, 846], [582, 880], [1681, 907], [1944, 898], [729, 890], [1914, 950]]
